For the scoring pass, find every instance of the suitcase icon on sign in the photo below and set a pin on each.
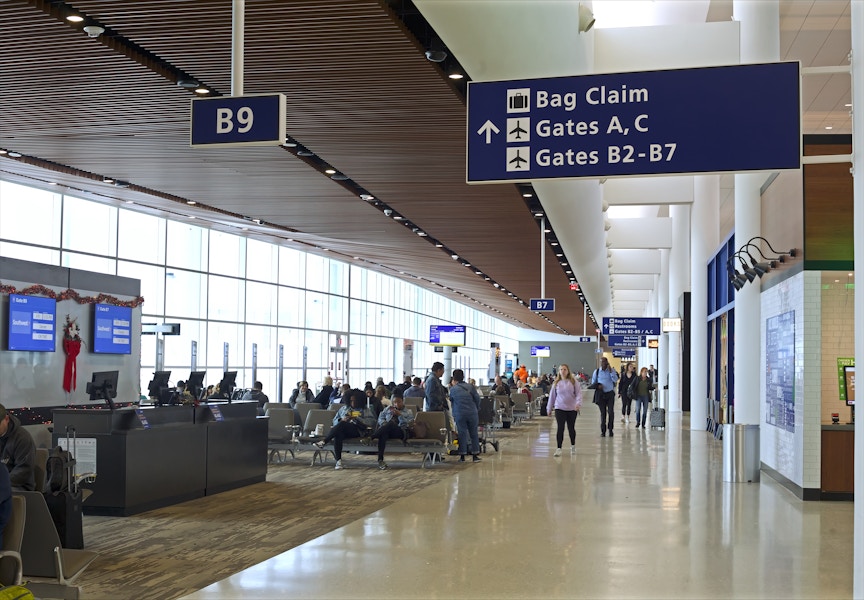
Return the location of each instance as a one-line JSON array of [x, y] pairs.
[[518, 102]]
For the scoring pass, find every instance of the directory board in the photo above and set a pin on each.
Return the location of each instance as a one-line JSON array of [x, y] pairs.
[[701, 120]]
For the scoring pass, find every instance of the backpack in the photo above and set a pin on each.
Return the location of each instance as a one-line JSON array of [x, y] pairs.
[[58, 470]]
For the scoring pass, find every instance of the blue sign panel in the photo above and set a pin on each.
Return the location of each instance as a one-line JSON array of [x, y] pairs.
[[587, 338], [541, 351], [628, 326], [734, 118], [31, 323], [112, 329], [544, 304], [447, 335], [626, 341], [624, 353], [257, 120]]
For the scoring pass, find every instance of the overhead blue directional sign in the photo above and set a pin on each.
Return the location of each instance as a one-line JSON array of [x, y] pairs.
[[543, 304], [625, 353], [626, 341], [630, 326], [587, 338], [714, 119], [257, 120]]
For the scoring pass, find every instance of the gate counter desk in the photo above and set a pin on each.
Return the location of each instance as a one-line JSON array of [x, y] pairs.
[[184, 453]]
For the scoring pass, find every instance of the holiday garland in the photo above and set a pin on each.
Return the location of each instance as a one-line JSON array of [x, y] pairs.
[[70, 294]]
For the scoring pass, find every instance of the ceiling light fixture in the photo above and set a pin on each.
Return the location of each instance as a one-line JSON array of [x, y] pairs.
[[93, 31], [454, 256], [13, 154], [74, 18], [367, 197], [107, 180], [330, 171], [202, 91], [191, 202], [456, 76], [527, 195]]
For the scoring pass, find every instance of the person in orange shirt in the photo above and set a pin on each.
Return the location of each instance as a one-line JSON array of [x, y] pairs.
[[521, 373]]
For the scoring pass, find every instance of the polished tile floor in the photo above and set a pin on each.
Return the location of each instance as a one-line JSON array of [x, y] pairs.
[[644, 514]]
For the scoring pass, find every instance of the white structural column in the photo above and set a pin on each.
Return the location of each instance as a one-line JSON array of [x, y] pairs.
[[703, 242], [858, 230], [679, 282], [760, 42], [663, 350]]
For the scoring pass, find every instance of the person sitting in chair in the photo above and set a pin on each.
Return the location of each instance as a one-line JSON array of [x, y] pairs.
[[346, 424], [393, 422]]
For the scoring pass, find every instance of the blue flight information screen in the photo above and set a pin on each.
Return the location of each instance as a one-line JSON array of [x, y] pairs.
[[32, 324], [112, 327], [447, 335]]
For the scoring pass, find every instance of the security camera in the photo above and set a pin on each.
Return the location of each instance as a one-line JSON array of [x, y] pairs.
[[388, 211]]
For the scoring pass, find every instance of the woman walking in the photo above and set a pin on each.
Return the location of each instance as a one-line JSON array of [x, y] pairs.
[[628, 376], [566, 400], [641, 389]]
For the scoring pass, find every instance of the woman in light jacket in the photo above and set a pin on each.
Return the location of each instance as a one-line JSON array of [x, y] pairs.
[[466, 404], [566, 400]]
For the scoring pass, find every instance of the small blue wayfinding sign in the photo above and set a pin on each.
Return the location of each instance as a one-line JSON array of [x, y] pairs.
[[626, 341], [713, 119], [587, 338], [256, 120], [630, 326], [543, 304], [625, 353]]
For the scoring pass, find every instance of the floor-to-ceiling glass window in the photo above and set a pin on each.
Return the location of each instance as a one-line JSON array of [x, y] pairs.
[[228, 292]]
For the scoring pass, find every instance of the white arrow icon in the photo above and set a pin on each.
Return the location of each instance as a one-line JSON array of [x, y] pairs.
[[488, 128]]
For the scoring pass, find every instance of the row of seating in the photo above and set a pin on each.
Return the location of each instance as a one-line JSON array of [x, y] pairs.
[[285, 435]]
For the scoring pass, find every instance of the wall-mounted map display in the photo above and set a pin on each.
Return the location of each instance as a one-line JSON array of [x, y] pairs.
[[780, 371]]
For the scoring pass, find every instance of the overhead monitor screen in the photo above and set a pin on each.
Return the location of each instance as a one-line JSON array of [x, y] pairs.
[[447, 335], [112, 329], [32, 323], [541, 351]]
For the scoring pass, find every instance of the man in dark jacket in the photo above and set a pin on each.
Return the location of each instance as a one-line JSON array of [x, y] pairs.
[[257, 394], [17, 452], [436, 399]]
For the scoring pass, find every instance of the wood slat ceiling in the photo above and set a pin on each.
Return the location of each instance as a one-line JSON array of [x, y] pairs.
[[361, 95]]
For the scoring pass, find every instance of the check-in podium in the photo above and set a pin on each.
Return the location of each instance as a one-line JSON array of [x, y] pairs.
[[183, 453]]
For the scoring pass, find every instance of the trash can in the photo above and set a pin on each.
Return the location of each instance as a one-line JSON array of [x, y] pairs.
[[741, 459]]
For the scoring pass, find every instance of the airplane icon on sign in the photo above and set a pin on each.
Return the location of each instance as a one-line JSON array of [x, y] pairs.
[[518, 131], [516, 161]]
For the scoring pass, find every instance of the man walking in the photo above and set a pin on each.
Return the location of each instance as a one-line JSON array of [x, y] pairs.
[[606, 377]]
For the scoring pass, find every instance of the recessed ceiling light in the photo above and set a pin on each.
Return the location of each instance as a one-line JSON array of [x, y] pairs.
[[456, 76], [130, 202], [496, 285], [828, 127], [257, 221], [330, 171], [191, 202], [3, 151], [421, 233], [367, 197], [547, 231], [527, 195], [539, 214], [439, 245], [563, 264], [74, 18], [13, 154], [398, 218], [107, 180], [849, 105], [191, 216], [553, 243], [202, 91], [52, 183]]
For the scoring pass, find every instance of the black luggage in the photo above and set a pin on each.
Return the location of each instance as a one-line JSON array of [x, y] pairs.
[[64, 496], [657, 418]]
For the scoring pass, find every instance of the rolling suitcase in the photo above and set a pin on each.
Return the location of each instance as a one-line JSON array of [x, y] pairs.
[[657, 418], [65, 504]]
